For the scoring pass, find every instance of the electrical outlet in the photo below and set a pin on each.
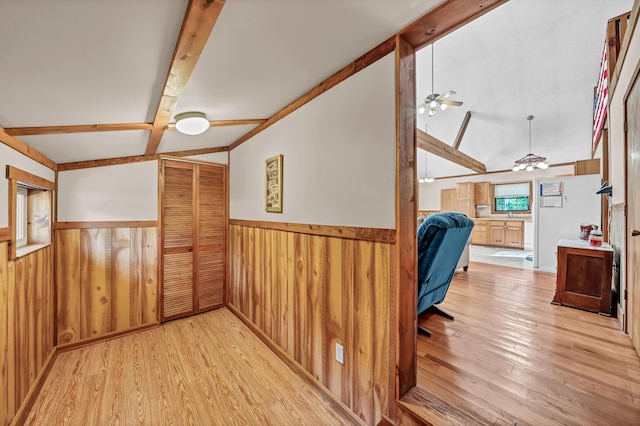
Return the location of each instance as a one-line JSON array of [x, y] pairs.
[[339, 353]]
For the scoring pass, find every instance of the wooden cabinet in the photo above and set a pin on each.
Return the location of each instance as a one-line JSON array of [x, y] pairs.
[[514, 234], [448, 200], [482, 193], [584, 276], [479, 233], [499, 233], [193, 238], [496, 232], [466, 196]]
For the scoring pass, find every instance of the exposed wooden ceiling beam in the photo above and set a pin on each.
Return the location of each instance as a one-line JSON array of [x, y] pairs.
[[89, 128], [25, 149], [198, 22], [441, 149], [446, 18], [63, 167], [463, 128], [222, 123], [82, 128]]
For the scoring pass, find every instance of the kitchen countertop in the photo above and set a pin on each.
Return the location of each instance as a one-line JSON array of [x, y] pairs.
[[510, 219]]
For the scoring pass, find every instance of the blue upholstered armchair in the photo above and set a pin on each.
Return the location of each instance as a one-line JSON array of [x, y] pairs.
[[441, 241]]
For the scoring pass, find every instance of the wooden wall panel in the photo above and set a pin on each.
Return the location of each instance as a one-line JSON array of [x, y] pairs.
[[311, 292], [106, 281], [4, 347], [26, 325]]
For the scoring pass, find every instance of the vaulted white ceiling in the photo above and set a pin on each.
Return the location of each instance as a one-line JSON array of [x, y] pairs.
[[85, 62], [526, 57], [88, 62]]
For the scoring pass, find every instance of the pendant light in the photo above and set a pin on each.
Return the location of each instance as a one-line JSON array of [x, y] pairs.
[[530, 161]]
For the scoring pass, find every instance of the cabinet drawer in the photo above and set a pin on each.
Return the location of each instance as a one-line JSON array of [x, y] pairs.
[[496, 223], [517, 224], [480, 228]]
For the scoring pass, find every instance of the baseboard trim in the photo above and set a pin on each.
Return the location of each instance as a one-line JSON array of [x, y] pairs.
[[113, 335], [24, 410], [337, 405]]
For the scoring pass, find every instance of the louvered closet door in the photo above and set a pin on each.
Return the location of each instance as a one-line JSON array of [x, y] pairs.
[[194, 238], [211, 236], [178, 242]]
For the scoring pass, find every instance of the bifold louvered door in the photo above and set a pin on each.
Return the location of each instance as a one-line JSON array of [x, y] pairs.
[[193, 228]]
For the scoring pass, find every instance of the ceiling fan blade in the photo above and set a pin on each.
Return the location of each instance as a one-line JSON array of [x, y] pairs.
[[450, 102], [447, 94]]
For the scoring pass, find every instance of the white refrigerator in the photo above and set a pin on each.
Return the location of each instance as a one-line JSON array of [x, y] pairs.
[[561, 205]]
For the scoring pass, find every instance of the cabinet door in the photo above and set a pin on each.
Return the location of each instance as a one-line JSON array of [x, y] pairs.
[[448, 200], [465, 207], [482, 193], [479, 233], [514, 234], [464, 190], [210, 273], [496, 234], [178, 232]]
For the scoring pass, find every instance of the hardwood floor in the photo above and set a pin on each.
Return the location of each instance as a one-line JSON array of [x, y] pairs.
[[208, 369], [511, 357]]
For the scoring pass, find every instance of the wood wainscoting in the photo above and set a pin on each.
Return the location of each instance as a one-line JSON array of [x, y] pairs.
[[26, 327], [308, 293], [106, 280]]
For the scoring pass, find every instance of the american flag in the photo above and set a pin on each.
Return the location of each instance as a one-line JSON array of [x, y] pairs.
[[601, 100]]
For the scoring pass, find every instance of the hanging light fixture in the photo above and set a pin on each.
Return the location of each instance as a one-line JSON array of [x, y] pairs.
[[426, 179], [192, 122], [530, 161], [435, 99]]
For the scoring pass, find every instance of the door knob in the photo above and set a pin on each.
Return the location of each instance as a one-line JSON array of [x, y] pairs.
[[190, 248], [635, 233]]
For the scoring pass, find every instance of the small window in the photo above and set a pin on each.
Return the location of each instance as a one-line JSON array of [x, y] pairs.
[[512, 204], [21, 216], [511, 197]]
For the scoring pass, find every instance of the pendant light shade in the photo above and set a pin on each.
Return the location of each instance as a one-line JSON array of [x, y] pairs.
[[530, 161], [192, 122]]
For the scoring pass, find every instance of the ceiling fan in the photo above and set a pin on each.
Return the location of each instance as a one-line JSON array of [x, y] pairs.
[[435, 100]]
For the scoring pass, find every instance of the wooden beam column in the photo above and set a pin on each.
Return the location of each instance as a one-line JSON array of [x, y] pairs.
[[198, 23]]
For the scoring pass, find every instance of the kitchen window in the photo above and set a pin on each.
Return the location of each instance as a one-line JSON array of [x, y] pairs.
[[511, 197]]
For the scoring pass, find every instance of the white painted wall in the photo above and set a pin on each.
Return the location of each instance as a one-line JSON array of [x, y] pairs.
[[429, 193], [11, 157], [216, 157], [339, 157], [616, 119], [125, 192]]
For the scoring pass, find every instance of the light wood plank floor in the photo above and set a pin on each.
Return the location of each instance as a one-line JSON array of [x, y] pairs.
[[209, 369], [510, 356]]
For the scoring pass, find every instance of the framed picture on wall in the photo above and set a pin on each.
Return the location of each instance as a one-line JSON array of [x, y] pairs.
[[273, 184]]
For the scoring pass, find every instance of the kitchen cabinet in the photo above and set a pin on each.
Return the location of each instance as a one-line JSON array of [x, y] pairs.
[[514, 234], [505, 233], [584, 276], [466, 195], [496, 232], [448, 200], [479, 233], [482, 193]]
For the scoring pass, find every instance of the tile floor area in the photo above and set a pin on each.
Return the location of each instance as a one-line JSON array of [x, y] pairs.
[[501, 256]]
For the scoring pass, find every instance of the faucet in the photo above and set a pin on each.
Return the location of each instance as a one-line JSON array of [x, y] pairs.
[[510, 213]]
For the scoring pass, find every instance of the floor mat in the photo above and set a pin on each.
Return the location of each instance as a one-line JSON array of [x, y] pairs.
[[513, 253]]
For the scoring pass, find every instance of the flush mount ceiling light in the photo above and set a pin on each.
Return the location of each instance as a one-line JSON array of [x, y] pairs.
[[192, 122], [530, 161]]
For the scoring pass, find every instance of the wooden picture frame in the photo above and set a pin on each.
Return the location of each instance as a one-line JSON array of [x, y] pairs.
[[273, 184]]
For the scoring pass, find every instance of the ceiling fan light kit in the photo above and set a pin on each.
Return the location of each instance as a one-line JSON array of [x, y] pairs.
[[530, 161], [192, 122], [435, 100]]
